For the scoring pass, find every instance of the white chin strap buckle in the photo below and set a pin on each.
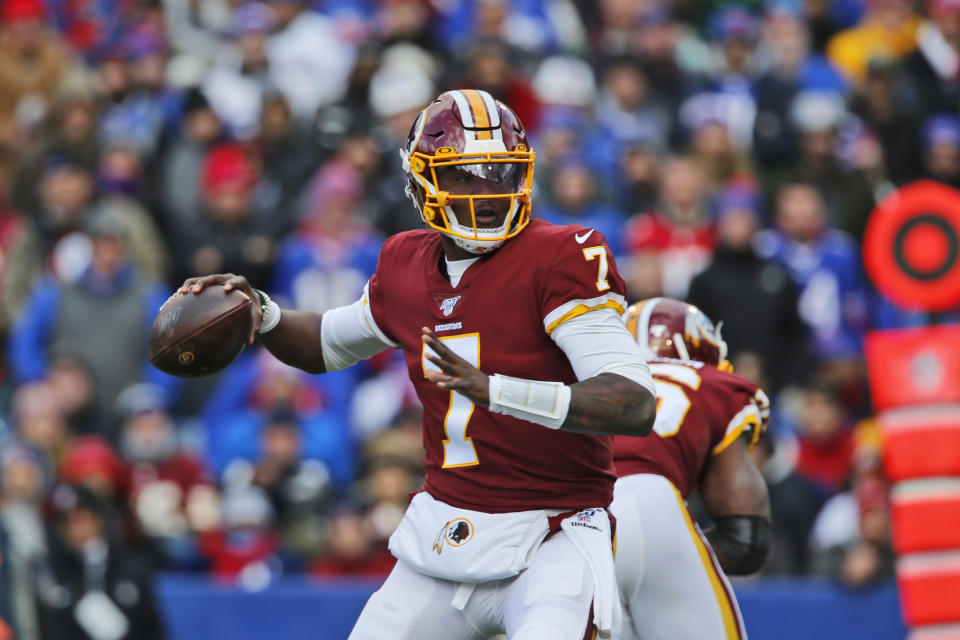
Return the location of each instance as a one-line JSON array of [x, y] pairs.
[[477, 246]]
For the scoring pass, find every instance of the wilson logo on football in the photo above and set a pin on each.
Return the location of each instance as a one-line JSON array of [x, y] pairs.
[[448, 304], [456, 533]]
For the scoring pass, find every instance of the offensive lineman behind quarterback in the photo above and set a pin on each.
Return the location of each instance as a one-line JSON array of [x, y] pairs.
[[512, 333], [707, 420]]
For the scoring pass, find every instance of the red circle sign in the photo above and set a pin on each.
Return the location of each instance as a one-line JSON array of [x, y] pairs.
[[925, 247], [911, 248]]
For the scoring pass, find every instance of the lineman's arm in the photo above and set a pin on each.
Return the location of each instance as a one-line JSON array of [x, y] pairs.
[[735, 497]]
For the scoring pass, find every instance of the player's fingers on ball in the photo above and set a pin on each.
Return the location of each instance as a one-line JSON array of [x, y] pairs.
[[198, 284], [231, 282], [187, 284]]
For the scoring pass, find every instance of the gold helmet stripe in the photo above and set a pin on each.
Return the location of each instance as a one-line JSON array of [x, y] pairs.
[[481, 116]]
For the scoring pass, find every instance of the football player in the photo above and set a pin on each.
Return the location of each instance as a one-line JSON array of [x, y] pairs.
[[512, 333], [668, 571]]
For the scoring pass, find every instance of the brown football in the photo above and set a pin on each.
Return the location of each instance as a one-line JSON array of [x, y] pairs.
[[196, 334]]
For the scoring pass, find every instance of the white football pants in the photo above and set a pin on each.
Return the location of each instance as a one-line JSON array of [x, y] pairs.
[[550, 600], [670, 583]]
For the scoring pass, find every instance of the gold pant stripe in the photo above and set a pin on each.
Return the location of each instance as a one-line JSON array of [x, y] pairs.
[[727, 611]]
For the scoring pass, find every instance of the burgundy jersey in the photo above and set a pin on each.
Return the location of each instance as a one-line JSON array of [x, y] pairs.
[[701, 410], [500, 318]]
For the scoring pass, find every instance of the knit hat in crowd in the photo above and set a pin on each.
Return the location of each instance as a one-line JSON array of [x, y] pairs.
[[228, 167], [252, 17], [737, 195], [15, 11], [91, 456], [941, 129]]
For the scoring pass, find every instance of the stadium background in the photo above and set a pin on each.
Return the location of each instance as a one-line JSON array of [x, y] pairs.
[[730, 154]]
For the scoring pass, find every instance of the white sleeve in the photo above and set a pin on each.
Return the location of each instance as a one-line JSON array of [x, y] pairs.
[[598, 342], [349, 334]]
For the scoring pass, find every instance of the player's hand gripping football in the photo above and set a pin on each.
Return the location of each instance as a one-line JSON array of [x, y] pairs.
[[230, 283], [458, 374]]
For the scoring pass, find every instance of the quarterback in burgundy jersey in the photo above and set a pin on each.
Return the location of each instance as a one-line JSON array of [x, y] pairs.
[[512, 333], [707, 420]]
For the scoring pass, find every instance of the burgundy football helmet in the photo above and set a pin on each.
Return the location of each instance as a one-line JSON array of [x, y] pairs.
[[668, 328], [466, 139]]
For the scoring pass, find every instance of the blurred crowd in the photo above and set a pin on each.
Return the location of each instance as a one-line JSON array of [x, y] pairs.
[[731, 155]]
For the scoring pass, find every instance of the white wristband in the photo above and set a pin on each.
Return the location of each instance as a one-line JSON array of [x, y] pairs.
[[539, 401], [271, 317]]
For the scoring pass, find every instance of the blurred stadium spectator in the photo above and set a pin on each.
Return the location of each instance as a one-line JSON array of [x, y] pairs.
[[244, 546], [575, 197], [101, 318], [825, 443], [24, 481], [739, 278], [941, 149], [170, 492], [888, 28], [824, 263], [238, 225], [827, 136], [850, 539], [298, 485], [352, 550], [92, 586], [679, 231]]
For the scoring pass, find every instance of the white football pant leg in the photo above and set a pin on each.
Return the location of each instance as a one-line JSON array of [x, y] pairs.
[[552, 599], [412, 606], [667, 574]]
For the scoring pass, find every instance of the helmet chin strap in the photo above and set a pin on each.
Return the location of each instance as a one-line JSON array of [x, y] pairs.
[[479, 245]]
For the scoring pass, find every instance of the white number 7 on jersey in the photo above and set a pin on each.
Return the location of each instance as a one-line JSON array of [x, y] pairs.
[[599, 252], [458, 449]]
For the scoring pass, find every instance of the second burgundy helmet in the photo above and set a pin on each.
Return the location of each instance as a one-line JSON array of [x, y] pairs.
[[469, 131], [668, 328]]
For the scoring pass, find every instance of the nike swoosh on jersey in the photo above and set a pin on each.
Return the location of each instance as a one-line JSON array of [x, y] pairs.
[[581, 239]]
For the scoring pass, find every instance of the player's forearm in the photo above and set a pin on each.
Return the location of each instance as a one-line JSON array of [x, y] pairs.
[[609, 404], [735, 496], [741, 543], [296, 340]]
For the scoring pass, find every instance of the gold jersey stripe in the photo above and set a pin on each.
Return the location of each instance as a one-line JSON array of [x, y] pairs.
[[581, 309], [732, 436], [727, 609]]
